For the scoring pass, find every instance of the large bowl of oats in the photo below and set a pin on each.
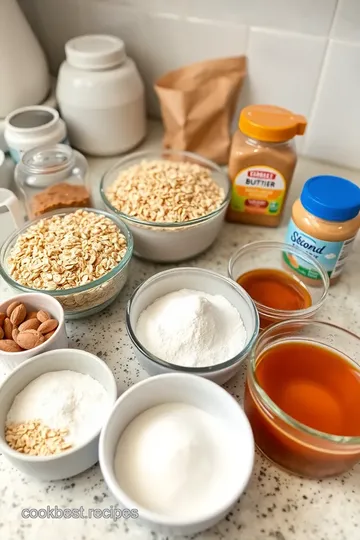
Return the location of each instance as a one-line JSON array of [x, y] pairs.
[[79, 256], [173, 202]]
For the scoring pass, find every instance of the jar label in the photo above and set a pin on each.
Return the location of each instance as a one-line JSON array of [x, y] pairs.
[[258, 190], [331, 255]]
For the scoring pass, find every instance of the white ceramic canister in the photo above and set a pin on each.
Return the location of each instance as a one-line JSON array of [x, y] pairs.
[[29, 127], [24, 76], [101, 96]]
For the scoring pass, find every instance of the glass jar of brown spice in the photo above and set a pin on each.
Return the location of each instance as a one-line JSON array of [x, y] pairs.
[[262, 163], [52, 177]]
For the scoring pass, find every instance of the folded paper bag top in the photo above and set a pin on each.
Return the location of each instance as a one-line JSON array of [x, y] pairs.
[[198, 103]]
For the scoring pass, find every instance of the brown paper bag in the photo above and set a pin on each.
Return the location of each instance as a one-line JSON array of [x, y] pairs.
[[198, 104]]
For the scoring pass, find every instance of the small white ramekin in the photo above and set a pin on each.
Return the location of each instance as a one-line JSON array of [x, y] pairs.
[[192, 390], [198, 279], [35, 302], [78, 459]]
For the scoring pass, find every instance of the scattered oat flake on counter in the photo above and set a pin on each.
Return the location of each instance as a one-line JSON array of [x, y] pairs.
[[165, 191]]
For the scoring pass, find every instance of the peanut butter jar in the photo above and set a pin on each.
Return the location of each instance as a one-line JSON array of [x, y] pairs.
[[324, 224], [262, 163]]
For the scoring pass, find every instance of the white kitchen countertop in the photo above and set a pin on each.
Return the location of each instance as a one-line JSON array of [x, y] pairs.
[[276, 505]]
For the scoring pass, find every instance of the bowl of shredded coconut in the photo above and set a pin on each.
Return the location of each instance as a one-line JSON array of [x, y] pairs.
[[192, 320]]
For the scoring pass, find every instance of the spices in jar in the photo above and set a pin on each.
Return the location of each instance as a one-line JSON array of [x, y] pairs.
[[275, 289], [324, 223], [262, 163], [61, 195], [303, 386], [52, 177]]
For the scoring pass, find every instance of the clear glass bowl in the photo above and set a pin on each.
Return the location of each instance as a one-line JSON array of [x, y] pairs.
[[170, 242], [87, 299], [288, 443], [197, 279], [263, 254]]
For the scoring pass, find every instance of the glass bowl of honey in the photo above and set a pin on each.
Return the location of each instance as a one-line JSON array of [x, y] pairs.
[[279, 292], [302, 397]]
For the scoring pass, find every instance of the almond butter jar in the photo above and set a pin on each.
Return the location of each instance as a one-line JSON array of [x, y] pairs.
[[324, 223], [262, 163]]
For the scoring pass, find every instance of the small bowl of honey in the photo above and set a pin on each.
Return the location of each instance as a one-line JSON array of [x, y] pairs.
[[279, 292], [302, 397]]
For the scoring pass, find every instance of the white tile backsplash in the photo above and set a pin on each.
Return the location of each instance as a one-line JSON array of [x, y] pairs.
[[333, 131], [283, 70], [308, 16], [303, 54], [347, 21]]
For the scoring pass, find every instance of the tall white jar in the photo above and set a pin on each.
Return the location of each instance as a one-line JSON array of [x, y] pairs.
[[101, 96]]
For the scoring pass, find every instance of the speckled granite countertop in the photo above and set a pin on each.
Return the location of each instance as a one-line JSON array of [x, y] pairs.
[[276, 505]]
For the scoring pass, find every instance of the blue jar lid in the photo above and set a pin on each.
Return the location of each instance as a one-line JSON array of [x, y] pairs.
[[331, 198]]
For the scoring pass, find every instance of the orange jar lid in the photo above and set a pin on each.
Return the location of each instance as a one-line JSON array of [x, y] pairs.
[[270, 123]]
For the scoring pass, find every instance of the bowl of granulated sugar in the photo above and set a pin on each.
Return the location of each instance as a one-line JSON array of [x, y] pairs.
[[192, 320]]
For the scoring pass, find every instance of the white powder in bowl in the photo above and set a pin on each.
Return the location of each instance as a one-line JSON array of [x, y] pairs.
[[177, 460], [63, 400], [192, 328]]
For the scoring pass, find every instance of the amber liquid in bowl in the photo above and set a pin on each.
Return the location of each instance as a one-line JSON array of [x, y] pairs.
[[316, 386], [275, 289]]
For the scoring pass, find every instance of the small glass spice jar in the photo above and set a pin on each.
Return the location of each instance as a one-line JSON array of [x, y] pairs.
[[52, 177]]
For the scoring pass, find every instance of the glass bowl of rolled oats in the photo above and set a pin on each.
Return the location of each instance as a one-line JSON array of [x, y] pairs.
[[173, 202], [78, 256]]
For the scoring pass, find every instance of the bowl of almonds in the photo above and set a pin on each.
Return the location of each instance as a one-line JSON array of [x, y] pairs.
[[30, 324], [79, 257], [173, 202]]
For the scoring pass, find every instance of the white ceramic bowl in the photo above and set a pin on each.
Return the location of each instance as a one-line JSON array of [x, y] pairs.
[[170, 242], [198, 279], [79, 458], [35, 302], [192, 390]]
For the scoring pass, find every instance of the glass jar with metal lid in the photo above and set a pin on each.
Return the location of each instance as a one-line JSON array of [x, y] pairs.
[[52, 177]]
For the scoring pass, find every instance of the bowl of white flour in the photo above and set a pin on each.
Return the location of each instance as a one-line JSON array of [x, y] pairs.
[[52, 409], [192, 320]]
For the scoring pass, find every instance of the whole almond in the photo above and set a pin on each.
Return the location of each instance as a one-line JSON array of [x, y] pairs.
[[2, 318], [11, 308], [15, 333], [29, 324], [30, 339], [18, 315], [1, 333], [48, 326], [49, 335], [31, 315], [43, 316], [8, 345], [8, 328]]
